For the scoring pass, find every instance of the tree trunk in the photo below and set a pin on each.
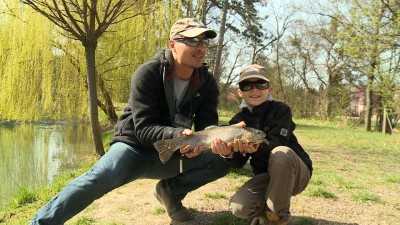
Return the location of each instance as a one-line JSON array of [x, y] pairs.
[[368, 113], [108, 106], [369, 95], [90, 50], [384, 121], [217, 68]]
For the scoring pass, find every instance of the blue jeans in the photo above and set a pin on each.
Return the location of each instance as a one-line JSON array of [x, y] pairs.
[[123, 164]]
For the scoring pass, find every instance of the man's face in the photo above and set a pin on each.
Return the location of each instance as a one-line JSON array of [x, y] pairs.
[[187, 55]]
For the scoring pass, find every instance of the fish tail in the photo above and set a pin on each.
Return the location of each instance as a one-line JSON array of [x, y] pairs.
[[165, 149]]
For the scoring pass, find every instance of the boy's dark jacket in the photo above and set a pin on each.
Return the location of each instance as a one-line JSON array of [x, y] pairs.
[[275, 118], [151, 110]]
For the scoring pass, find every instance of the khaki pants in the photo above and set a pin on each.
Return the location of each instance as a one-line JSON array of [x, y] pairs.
[[287, 176]]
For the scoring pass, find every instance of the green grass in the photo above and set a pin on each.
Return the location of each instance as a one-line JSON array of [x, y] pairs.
[[352, 163], [320, 193], [159, 211], [305, 221], [225, 116], [228, 219], [366, 197], [86, 221], [215, 196], [24, 197]]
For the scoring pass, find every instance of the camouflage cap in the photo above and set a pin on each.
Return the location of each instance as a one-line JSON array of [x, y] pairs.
[[253, 71], [190, 27]]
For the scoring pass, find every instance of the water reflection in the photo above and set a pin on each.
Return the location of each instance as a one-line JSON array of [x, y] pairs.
[[34, 154]]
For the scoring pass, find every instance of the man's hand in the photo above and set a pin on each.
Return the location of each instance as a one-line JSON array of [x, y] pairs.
[[187, 149]]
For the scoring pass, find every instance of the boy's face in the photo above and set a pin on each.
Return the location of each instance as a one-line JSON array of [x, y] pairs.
[[254, 96]]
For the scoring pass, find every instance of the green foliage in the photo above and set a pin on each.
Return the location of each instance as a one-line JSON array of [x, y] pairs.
[[365, 38], [24, 196], [43, 73]]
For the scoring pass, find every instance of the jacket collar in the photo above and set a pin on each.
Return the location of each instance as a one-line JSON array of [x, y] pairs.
[[196, 81]]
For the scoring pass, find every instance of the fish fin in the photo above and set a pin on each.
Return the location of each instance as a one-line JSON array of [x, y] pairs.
[[165, 150]]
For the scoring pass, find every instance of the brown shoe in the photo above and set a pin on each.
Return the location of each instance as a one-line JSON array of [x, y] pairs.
[[273, 217], [176, 211]]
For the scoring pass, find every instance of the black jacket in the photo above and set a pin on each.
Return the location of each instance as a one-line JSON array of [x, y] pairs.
[[275, 118], [150, 113]]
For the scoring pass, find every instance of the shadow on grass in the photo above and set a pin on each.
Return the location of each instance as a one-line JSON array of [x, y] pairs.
[[245, 171], [225, 218]]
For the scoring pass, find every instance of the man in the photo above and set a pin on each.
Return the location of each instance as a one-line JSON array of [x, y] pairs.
[[169, 94], [281, 169]]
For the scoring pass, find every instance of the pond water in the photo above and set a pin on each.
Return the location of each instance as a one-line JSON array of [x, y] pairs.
[[32, 155]]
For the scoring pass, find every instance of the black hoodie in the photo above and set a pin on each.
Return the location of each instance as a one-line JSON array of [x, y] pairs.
[[150, 113], [275, 119]]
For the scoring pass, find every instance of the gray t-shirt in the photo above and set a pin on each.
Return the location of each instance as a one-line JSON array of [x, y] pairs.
[[180, 87]]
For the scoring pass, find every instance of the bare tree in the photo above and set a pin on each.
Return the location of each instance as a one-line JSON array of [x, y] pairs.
[[86, 21], [222, 30]]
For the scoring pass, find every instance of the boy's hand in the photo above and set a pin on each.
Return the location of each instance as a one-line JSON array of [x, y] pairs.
[[239, 146], [240, 124], [244, 148], [220, 147]]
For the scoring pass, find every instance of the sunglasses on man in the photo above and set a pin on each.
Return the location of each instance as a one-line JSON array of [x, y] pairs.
[[248, 85], [194, 41]]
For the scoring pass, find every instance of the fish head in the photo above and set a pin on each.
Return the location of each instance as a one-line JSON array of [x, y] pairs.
[[253, 135]]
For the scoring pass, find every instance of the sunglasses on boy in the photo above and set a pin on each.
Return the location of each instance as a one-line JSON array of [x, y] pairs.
[[248, 85], [194, 41]]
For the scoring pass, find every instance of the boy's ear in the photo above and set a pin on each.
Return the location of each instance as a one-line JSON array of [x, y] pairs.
[[239, 92]]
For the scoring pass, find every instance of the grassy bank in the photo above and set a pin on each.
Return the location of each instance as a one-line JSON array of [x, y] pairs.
[[351, 167]]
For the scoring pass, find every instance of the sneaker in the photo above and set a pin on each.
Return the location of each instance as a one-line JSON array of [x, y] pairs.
[[257, 221], [261, 220], [176, 211], [270, 218]]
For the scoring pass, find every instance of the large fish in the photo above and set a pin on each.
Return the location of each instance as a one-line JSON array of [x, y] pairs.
[[205, 137]]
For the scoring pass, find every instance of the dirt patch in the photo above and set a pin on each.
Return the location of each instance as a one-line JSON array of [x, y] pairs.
[[134, 203]]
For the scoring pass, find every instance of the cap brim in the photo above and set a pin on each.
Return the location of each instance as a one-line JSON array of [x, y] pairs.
[[253, 76], [197, 31]]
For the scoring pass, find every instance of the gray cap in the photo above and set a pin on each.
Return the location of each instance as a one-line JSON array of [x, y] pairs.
[[253, 71]]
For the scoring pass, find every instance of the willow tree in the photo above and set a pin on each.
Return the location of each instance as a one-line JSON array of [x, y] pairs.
[[133, 43], [86, 21], [25, 91]]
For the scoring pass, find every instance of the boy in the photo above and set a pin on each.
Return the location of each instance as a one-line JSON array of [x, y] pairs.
[[281, 169]]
